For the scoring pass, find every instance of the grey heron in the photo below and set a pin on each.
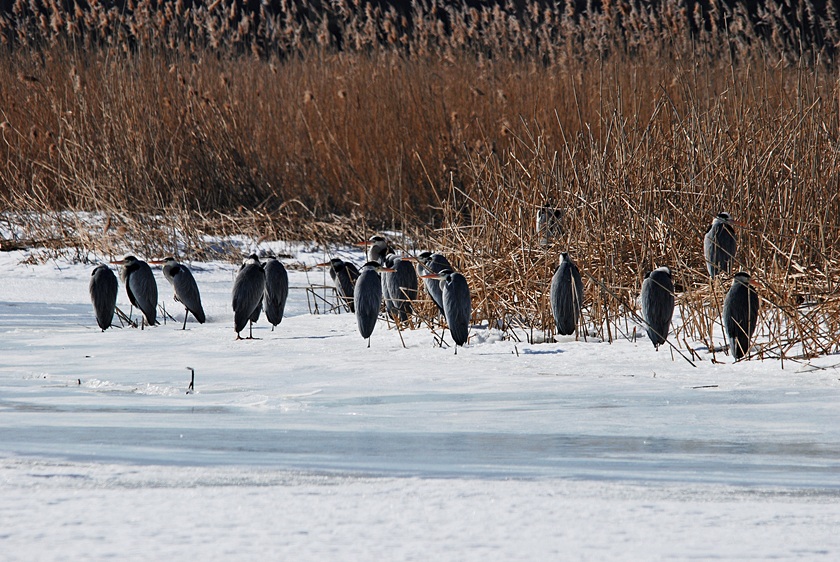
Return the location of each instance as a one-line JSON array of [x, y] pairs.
[[429, 263], [248, 289], [399, 288], [368, 297], [276, 290], [566, 295], [344, 275], [719, 244], [658, 304], [379, 249], [185, 287], [457, 305], [141, 287], [103, 289], [549, 225], [740, 314]]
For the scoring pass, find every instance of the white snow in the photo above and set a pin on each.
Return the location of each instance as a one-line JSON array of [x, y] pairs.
[[307, 445]]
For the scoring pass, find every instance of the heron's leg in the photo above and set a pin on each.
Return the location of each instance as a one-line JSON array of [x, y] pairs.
[[368, 343], [186, 313], [399, 330]]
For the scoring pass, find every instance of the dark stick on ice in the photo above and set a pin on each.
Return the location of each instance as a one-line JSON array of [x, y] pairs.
[[122, 316], [167, 315]]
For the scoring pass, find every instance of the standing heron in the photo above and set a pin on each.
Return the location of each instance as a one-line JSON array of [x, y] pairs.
[[379, 249], [549, 224], [185, 287], [566, 295], [368, 297], [399, 288], [429, 263], [141, 287], [248, 289], [276, 290], [457, 305], [658, 304], [719, 244], [103, 294], [740, 314], [344, 275]]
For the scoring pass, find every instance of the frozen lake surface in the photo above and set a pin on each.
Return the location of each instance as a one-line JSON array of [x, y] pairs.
[[307, 444]]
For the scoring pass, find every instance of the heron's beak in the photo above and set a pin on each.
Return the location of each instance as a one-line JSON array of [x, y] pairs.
[[119, 262], [410, 258], [362, 244], [386, 270], [432, 276], [739, 224], [156, 262], [325, 264]]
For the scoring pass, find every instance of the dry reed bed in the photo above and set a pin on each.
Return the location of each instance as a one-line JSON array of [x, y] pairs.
[[342, 101], [639, 192], [640, 124]]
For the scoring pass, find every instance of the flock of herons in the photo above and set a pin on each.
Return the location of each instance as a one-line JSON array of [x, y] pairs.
[[394, 279]]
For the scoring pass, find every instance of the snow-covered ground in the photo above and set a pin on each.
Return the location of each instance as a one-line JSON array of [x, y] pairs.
[[305, 444]]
